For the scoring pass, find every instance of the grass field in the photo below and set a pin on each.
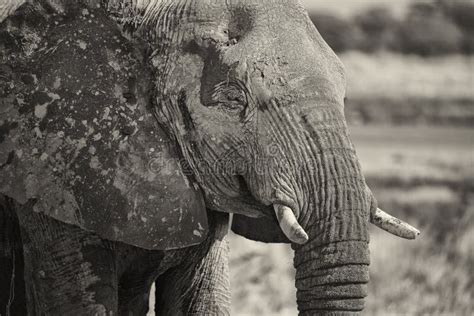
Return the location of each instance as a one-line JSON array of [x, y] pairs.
[[422, 174], [394, 76], [351, 7], [398, 89]]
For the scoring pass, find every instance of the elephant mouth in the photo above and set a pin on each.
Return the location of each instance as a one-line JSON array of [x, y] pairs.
[[290, 226], [287, 215], [243, 202], [283, 211]]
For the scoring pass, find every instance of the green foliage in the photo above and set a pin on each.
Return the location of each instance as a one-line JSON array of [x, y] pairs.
[[462, 14], [339, 33], [428, 29], [377, 25]]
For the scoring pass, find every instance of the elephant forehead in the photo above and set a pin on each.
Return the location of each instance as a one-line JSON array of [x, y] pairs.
[[175, 20], [77, 136]]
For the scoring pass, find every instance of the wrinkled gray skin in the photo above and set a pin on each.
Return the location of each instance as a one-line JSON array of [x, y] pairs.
[[253, 99]]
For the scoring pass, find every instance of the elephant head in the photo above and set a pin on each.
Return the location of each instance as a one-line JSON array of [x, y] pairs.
[[252, 100]]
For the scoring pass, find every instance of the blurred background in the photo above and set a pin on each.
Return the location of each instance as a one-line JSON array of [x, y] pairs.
[[410, 107]]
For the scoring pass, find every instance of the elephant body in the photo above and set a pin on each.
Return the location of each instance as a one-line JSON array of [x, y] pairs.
[[12, 285], [129, 129], [70, 271]]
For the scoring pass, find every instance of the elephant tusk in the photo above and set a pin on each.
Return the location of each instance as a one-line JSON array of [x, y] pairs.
[[393, 225], [289, 225]]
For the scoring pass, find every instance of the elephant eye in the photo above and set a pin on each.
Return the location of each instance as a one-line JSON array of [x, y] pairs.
[[229, 95]]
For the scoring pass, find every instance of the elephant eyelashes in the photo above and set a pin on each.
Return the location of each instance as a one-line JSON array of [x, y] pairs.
[[230, 96]]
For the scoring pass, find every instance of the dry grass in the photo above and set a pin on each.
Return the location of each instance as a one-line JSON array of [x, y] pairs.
[[394, 76], [432, 276], [387, 88], [262, 278], [349, 8], [415, 153]]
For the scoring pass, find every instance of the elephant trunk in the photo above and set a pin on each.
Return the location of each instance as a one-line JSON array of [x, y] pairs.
[[332, 268], [322, 204]]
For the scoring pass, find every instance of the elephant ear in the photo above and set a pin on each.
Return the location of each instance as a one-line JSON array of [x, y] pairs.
[[77, 135], [264, 229]]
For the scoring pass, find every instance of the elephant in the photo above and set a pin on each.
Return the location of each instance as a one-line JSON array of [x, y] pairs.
[[130, 130]]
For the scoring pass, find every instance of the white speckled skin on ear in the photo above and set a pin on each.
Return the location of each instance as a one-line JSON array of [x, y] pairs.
[[85, 144]]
